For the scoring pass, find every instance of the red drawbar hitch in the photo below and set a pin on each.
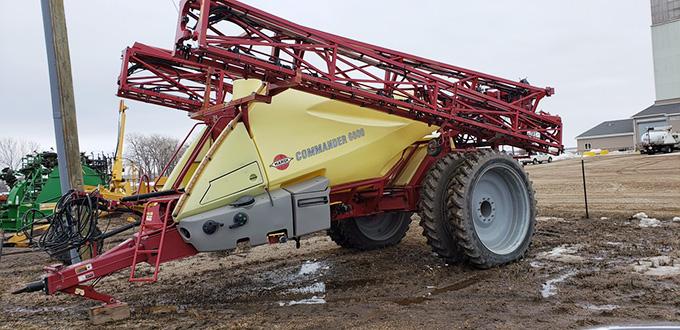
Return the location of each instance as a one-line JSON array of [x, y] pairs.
[[158, 241]]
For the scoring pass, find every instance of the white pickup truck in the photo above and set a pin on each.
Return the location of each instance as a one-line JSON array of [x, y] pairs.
[[536, 159]]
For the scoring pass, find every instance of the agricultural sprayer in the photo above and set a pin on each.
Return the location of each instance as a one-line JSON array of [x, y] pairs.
[[35, 189], [302, 131]]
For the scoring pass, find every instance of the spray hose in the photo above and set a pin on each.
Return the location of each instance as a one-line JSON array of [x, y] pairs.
[[73, 225]]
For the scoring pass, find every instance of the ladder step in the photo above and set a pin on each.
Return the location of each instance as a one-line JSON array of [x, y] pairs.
[[155, 225]]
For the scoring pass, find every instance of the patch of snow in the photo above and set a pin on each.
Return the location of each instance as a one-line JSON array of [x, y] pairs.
[[550, 219], [319, 287], [649, 222], [565, 156], [604, 218], [640, 216], [663, 271], [614, 243], [536, 264], [598, 307], [562, 253], [627, 152], [310, 267], [309, 301], [662, 266], [676, 219], [549, 288], [660, 261]]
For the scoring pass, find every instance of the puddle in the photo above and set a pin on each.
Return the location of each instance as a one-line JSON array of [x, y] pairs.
[[435, 291], [309, 301], [319, 287], [298, 283], [311, 267], [456, 286], [549, 288]]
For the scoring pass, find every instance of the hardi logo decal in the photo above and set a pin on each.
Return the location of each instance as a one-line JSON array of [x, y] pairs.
[[281, 162]]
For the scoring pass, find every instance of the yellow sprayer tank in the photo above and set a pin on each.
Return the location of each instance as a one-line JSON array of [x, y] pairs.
[[297, 137]]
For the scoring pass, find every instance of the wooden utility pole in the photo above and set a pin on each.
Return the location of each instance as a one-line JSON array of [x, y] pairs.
[[63, 102]]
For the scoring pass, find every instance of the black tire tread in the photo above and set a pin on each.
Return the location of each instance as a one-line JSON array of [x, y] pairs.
[[346, 234], [434, 208]]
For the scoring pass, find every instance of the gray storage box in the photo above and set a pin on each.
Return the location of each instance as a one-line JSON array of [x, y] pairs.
[[311, 206]]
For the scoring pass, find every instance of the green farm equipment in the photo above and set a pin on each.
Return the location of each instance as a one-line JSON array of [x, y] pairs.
[[35, 188]]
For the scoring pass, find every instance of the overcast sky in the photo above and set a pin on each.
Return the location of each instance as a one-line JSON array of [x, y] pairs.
[[596, 53]]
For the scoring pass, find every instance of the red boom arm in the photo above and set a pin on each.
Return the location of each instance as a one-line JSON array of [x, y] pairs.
[[221, 40]]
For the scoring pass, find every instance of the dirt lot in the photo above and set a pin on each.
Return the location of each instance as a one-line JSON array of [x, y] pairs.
[[617, 185], [579, 273]]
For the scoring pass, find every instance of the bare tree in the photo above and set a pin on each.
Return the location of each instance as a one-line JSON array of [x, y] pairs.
[[12, 150], [150, 153]]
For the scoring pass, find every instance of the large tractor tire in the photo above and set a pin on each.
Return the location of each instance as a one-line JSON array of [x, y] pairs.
[[371, 232], [434, 209], [490, 209]]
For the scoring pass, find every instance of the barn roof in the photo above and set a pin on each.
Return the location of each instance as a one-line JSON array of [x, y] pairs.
[[612, 127], [667, 109]]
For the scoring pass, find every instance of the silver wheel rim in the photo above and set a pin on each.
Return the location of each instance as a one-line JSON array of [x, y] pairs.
[[501, 209], [379, 227]]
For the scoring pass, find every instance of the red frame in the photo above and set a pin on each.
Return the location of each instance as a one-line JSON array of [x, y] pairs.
[[492, 110], [472, 109]]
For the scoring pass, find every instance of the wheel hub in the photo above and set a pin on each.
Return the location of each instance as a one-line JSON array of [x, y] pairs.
[[500, 208], [486, 210]]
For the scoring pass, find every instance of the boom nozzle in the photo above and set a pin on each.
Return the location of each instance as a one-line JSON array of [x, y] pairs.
[[31, 287]]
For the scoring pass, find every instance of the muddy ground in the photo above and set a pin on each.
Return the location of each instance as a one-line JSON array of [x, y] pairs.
[[579, 273]]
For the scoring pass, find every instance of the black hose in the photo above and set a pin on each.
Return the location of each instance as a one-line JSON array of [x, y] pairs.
[[119, 230], [73, 225], [136, 198], [28, 224]]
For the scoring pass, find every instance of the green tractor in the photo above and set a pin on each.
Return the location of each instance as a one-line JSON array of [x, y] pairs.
[[35, 188]]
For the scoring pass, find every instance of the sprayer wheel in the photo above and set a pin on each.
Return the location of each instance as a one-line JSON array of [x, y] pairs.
[[370, 232], [493, 208]]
